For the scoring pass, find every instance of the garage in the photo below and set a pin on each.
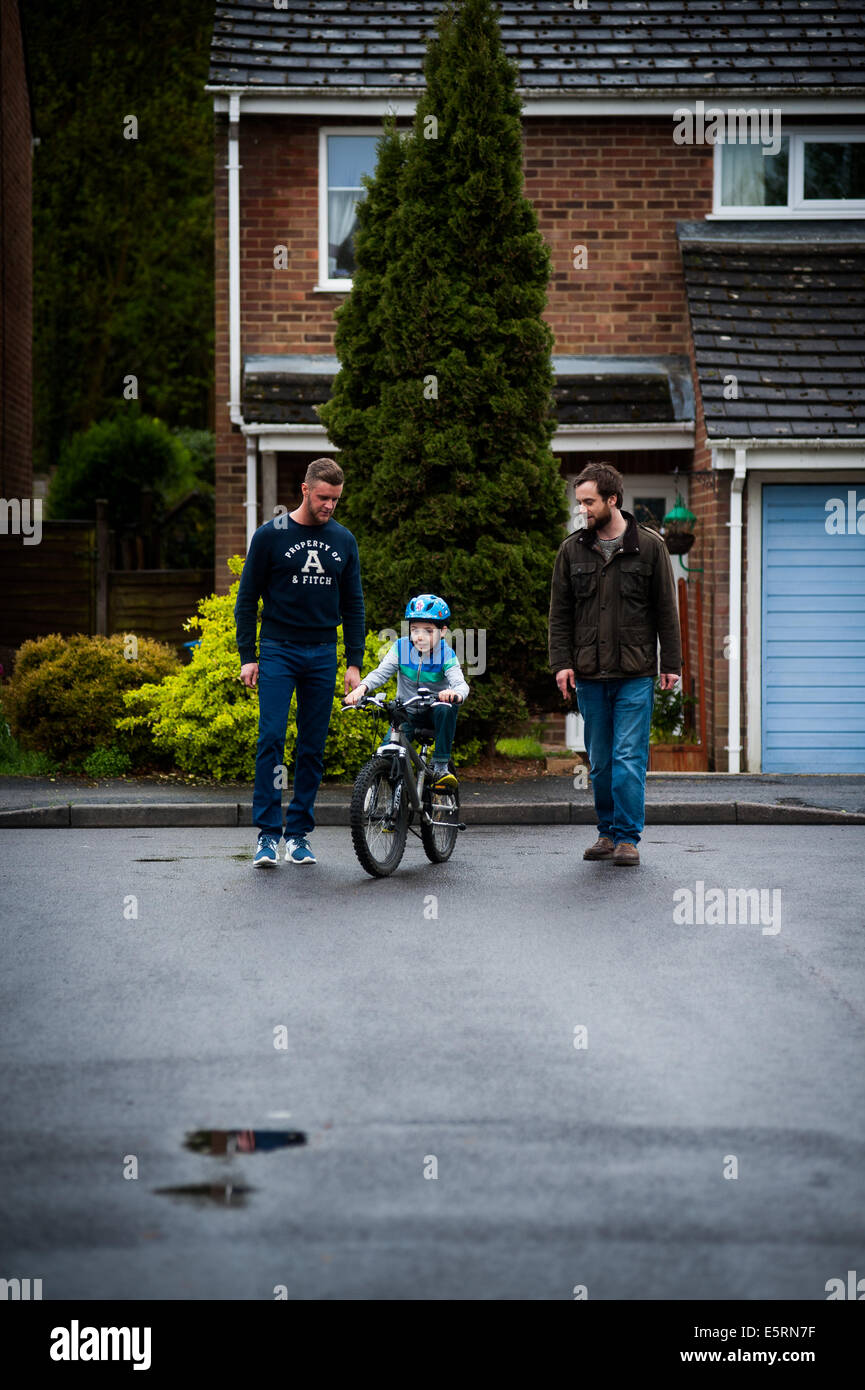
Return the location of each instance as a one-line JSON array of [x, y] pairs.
[[813, 628]]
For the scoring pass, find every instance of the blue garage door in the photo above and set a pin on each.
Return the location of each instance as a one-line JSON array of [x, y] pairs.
[[814, 628]]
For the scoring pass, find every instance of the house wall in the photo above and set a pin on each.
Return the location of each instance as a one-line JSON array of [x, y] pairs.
[[616, 186], [16, 305]]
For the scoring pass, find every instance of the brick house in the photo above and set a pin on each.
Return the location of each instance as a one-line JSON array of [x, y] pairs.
[[707, 338], [16, 262]]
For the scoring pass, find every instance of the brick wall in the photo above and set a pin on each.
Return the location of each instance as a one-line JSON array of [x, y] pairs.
[[618, 187], [16, 264]]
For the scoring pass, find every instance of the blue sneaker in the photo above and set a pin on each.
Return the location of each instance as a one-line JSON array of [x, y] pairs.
[[266, 851], [297, 851]]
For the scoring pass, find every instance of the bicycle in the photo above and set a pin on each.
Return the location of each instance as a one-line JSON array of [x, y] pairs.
[[388, 795]]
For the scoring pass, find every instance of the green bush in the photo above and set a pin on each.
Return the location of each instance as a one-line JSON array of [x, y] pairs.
[[114, 459], [66, 693], [107, 762], [187, 537]]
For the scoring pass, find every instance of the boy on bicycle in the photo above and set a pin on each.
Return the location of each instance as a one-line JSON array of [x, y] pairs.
[[424, 661]]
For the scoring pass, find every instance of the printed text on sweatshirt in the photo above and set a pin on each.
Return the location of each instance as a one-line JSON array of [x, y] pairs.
[[309, 578]]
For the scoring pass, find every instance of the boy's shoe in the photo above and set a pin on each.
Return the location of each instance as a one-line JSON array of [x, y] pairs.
[[626, 853], [297, 851], [443, 778], [266, 851]]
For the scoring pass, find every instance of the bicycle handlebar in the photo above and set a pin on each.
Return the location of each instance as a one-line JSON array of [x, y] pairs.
[[391, 707]]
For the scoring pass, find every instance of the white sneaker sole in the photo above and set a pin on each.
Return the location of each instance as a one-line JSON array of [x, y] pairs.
[[265, 863]]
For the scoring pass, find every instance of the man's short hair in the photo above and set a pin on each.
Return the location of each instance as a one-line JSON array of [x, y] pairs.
[[324, 471], [607, 480]]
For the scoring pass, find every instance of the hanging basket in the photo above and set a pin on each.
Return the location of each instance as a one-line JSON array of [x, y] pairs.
[[679, 542], [678, 528]]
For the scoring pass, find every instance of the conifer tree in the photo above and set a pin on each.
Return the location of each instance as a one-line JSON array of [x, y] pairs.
[[441, 409]]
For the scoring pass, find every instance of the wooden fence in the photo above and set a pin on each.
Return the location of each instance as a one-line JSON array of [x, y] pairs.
[[63, 585]]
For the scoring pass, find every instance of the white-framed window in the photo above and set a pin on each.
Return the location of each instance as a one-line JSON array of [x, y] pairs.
[[345, 153], [815, 172]]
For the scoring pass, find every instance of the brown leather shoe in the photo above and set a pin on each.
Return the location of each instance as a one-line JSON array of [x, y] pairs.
[[626, 853], [601, 849]]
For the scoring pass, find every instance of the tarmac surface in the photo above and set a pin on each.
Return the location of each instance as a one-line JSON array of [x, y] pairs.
[[516, 1073]]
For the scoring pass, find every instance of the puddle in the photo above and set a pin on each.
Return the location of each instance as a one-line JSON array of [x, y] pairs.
[[224, 1194], [223, 1143]]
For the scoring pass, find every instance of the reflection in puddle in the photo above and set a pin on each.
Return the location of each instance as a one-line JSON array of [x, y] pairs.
[[225, 1142], [224, 1194]]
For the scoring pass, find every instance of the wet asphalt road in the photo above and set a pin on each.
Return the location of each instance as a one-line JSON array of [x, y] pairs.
[[430, 1034]]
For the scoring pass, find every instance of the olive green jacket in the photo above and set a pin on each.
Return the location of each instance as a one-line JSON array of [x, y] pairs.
[[606, 617]]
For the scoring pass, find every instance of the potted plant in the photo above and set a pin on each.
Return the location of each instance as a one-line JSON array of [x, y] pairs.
[[672, 748]]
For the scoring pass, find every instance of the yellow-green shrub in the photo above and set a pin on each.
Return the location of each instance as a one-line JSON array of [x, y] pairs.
[[66, 694]]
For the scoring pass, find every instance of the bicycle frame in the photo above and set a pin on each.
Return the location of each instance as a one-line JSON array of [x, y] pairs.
[[397, 746], [400, 747]]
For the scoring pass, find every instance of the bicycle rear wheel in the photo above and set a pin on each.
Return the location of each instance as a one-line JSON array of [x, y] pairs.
[[444, 808], [379, 816]]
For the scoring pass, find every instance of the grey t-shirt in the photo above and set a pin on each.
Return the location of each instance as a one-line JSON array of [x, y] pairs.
[[610, 547]]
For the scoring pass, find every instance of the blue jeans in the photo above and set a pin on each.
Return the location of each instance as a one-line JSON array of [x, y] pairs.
[[618, 716], [444, 721], [282, 667]]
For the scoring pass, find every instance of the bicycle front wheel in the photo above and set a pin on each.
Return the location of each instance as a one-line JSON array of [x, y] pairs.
[[379, 817]]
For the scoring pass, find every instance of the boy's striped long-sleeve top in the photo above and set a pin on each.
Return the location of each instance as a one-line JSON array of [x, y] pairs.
[[439, 671]]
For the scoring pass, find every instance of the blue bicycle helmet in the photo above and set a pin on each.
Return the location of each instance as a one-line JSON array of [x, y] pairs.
[[427, 608]]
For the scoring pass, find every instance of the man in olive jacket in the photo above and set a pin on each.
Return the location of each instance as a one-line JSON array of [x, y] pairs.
[[613, 598]]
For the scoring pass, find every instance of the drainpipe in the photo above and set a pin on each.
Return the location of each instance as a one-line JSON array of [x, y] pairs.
[[251, 503], [233, 167], [234, 365], [734, 731]]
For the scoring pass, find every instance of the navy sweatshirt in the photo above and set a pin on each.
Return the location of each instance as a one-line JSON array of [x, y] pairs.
[[309, 578]]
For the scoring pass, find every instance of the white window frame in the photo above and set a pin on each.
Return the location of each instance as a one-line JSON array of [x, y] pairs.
[[326, 282], [796, 206]]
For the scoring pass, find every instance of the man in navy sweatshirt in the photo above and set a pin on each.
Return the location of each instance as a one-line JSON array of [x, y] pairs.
[[306, 568]]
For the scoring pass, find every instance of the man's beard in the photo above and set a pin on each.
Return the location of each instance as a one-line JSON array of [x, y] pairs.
[[593, 522]]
